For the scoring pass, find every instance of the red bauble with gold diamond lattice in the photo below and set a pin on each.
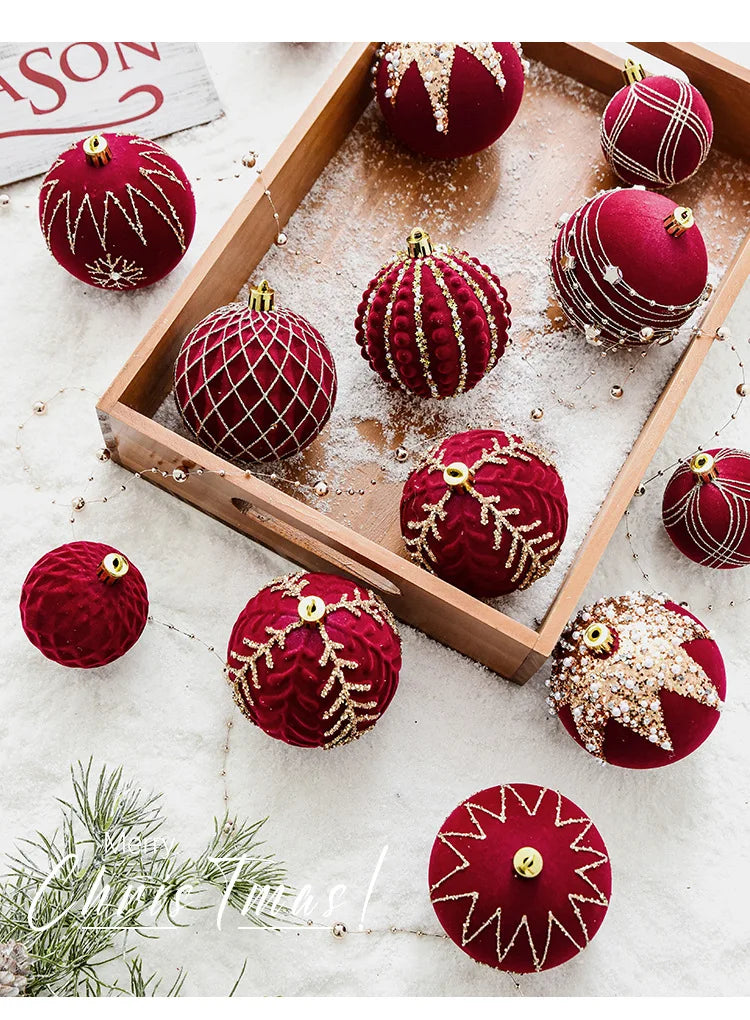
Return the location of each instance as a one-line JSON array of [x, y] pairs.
[[446, 100], [485, 511], [254, 383], [117, 211], [706, 508], [637, 681], [520, 878], [434, 321], [314, 659]]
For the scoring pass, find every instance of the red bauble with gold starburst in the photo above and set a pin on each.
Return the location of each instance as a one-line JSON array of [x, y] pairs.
[[117, 211], [485, 511], [446, 100], [637, 681], [314, 659], [520, 878]]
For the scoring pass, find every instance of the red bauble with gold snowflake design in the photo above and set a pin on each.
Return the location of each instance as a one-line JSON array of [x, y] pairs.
[[434, 321], [706, 508], [255, 383], [314, 659], [117, 211], [485, 511], [637, 681], [446, 100], [520, 878]]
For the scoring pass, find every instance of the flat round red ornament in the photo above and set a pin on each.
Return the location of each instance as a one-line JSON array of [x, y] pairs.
[[485, 511], [637, 681], [446, 100], [520, 878], [434, 321], [629, 268], [84, 604], [255, 383], [657, 131], [314, 659], [706, 508], [117, 211]]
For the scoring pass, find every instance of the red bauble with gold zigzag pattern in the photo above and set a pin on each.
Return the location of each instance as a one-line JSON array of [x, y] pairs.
[[117, 211], [314, 659]]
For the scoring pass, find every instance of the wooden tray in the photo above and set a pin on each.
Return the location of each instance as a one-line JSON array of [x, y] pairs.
[[369, 547]]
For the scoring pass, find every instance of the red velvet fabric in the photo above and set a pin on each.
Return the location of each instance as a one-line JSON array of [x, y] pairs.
[[625, 228], [255, 386], [479, 111], [298, 696], [689, 723], [710, 522], [457, 352], [74, 618], [465, 554], [494, 915], [656, 132], [121, 226]]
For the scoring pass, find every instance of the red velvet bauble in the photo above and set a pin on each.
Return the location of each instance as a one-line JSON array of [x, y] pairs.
[[76, 613], [485, 511], [433, 321], [620, 276], [123, 224], [656, 132], [488, 899], [650, 693], [706, 508], [255, 385], [314, 659], [446, 100]]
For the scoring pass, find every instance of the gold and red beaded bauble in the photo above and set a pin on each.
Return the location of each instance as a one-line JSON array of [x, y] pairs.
[[485, 511], [314, 659], [117, 211], [445, 99], [520, 878], [706, 508], [629, 267], [656, 131], [637, 681], [434, 321], [254, 383]]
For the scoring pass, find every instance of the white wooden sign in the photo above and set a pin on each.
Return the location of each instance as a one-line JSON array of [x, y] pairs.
[[52, 94]]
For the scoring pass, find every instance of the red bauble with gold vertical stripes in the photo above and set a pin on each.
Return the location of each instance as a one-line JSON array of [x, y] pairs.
[[433, 321]]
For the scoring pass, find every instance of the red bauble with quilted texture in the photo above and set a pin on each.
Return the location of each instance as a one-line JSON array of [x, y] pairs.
[[520, 878], [446, 100], [434, 321], [254, 383], [84, 604], [706, 508], [117, 211], [637, 681], [656, 131], [314, 659], [485, 511], [629, 268]]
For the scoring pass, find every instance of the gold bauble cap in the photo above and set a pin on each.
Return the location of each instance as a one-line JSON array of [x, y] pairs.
[[633, 71], [599, 639], [456, 474], [97, 151], [113, 568], [261, 298], [527, 862], [418, 243], [311, 609], [703, 467], [679, 220]]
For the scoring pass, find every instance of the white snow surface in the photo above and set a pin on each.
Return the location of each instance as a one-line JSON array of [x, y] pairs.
[[678, 837]]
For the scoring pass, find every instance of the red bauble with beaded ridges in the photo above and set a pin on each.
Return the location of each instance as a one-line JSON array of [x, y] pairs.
[[706, 508], [314, 659], [255, 385], [75, 613], [485, 511], [445, 100], [120, 217], [434, 321], [620, 276], [520, 878], [656, 132]]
